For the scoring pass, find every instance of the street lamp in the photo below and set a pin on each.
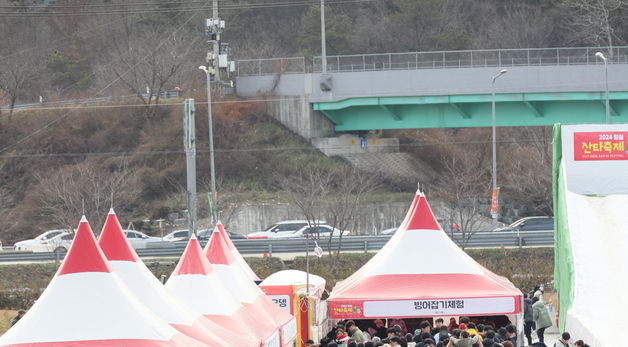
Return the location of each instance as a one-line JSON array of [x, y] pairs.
[[323, 40], [318, 251], [212, 198], [494, 197], [608, 106]]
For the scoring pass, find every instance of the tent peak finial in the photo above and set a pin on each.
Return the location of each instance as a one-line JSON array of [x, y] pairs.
[[420, 191]]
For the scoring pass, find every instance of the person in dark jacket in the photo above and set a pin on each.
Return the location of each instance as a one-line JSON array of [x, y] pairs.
[[17, 318], [528, 318]]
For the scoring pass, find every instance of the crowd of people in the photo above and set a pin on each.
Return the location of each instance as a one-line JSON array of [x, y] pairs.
[[464, 333]]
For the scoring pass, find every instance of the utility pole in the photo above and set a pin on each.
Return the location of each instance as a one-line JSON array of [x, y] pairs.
[[217, 59], [216, 41], [323, 40], [189, 144], [325, 82]]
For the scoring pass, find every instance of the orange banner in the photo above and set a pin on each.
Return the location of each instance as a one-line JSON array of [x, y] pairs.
[[495, 201]]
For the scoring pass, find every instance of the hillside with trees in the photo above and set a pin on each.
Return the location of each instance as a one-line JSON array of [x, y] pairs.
[[58, 160]]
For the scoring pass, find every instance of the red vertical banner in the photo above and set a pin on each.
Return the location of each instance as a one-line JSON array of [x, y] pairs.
[[607, 145], [495, 202]]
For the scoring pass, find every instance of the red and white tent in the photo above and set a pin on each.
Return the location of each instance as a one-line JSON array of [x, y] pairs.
[[239, 260], [152, 294], [85, 304], [195, 283], [243, 288], [421, 272]]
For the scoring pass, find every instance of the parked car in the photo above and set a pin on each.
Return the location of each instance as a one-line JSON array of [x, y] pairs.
[[203, 234], [535, 223], [282, 229], [57, 241], [390, 231], [177, 235], [138, 239], [322, 231], [447, 227], [306, 231]]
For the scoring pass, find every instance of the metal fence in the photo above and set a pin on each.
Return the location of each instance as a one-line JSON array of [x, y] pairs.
[[472, 58], [272, 66], [435, 60], [297, 245]]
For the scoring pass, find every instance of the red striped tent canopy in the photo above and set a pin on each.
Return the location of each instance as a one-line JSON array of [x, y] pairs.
[[86, 304], [421, 272]]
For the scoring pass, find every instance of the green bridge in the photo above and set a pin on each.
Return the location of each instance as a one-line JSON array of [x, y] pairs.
[[445, 89], [473, 110]]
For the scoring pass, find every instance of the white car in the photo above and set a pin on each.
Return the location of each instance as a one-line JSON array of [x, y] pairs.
[[323, 231], [177, 235], [139, 240], [57, 241], [282, 229]]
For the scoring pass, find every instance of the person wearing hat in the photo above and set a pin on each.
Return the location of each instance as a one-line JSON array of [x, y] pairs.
[[542, 319], [342, 339], [465, 340], [19, 316]]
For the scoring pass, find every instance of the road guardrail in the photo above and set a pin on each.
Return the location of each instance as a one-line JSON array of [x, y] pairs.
[[298, 245]]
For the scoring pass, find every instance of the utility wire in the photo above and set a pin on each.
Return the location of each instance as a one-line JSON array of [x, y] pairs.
[[56, 43], [179, 9], [264, 149], [129, 4], [52, 122], [399, 93]]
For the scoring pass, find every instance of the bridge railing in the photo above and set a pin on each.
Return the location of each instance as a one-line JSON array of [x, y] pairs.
[[471, 58], [272, 66]]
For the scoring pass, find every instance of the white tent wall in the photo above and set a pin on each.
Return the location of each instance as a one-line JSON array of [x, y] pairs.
[[595, 166]]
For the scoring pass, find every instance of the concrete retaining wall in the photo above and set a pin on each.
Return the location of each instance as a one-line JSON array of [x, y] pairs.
[[296, 114], [371, 218], [352, 144]]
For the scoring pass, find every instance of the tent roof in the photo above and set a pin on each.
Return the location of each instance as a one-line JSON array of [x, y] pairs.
[[87, 257], [238, 257], [86, 304], [113, 242], [243, 288], [293, 281], [194, 275], [420, 262], [292, 277], [193, 260], [138, 278]]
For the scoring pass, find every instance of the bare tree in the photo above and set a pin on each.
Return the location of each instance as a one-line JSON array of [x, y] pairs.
[[15, 73], [596, 21], [148, 62], [528, 174], [7, 220], [334, 195], [86, 188], [464, 184], [307, 191], [19, 64], [343, 202]]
